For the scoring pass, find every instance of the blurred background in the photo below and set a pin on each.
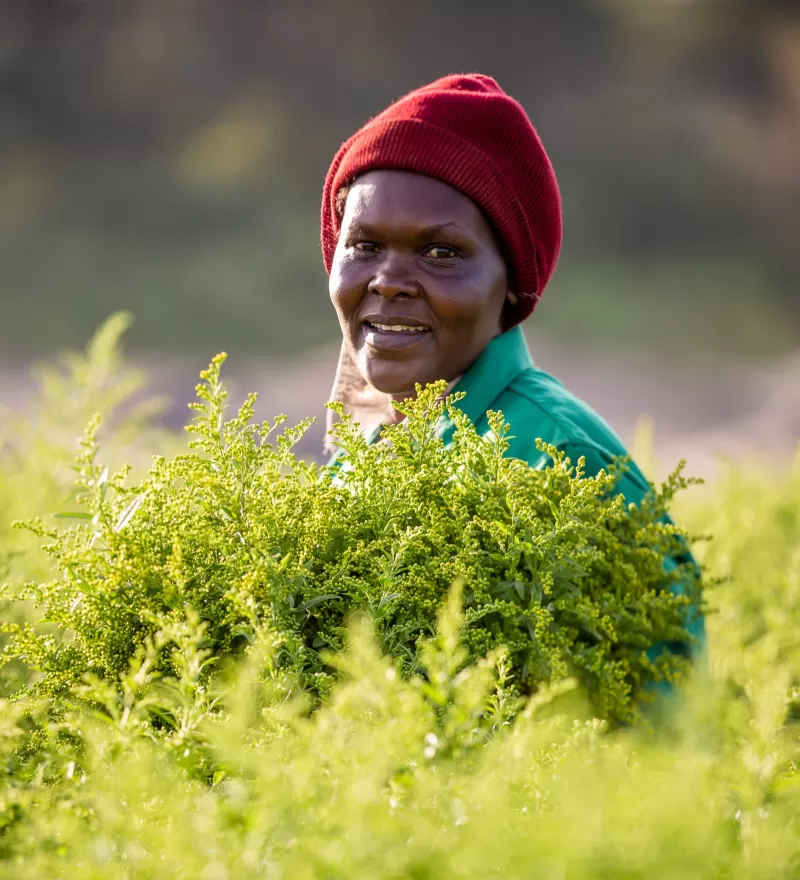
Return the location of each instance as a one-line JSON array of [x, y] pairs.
[[166, 157]]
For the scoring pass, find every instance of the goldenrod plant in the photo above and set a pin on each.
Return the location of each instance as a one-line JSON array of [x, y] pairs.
[[416, 663]]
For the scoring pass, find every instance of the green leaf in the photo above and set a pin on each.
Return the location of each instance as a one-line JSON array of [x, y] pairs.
[[128, 513]]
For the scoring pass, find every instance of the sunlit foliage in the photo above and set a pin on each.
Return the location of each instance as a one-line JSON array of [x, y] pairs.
[[243, 665]]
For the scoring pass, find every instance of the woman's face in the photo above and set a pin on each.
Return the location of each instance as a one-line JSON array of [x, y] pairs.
[[417, 280]]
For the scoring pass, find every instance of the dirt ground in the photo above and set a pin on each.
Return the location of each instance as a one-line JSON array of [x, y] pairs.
[[703, 412]]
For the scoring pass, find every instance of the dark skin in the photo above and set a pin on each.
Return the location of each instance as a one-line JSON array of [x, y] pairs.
[[418, 280]]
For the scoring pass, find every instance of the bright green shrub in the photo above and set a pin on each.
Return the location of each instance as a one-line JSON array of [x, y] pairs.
[[134, 773], [755, 509], [555, 571], [37, 447], [394, 778]]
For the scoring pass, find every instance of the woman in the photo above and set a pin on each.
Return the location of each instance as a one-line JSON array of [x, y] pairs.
[[441, 226]]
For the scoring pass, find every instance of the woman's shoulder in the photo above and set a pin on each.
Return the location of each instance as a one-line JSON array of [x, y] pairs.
[[538, 406]]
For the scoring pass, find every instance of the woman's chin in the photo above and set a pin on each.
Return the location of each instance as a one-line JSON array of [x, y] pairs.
[[395, 387], [391, 378]]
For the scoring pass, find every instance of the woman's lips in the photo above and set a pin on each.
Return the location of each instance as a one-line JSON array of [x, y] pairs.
[[395, 336]]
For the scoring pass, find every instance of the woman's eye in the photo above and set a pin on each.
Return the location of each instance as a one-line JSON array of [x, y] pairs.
[[441, 252], [367, 247]]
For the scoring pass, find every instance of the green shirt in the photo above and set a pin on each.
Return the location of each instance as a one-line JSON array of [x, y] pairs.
[[537, 406]]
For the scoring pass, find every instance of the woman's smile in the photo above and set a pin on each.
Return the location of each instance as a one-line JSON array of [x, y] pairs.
[[394, 337], [390, 333]]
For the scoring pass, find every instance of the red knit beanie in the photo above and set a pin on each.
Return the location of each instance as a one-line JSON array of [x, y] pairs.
[[466, 131]]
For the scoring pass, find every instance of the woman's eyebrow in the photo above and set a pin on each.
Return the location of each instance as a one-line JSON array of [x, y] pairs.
[[371, 230], [439, 228]]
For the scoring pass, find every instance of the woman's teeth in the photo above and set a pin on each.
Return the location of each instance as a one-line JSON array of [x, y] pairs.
[[397, 328]]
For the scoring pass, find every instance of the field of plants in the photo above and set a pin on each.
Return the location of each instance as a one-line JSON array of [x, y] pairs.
[[223, 662]]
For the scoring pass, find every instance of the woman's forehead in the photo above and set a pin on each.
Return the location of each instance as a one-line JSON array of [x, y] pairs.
[[392, 196]]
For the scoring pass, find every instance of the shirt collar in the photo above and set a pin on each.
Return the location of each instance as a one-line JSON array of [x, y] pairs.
[[503, 359]]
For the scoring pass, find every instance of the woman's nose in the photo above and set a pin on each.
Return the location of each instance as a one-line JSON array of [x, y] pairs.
[[393, 279]]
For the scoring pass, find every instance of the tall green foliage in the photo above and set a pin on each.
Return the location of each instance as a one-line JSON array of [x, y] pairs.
[[38, 445], [193, 712], [556, 572]]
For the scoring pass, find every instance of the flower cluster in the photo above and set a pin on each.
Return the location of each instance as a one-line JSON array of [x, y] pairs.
[[238, 531]]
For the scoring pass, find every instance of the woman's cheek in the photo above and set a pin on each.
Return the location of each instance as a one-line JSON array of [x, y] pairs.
[[335, 279], [461, 305], [345, 284]]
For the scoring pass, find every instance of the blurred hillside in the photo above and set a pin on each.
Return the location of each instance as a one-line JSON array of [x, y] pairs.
[[167, 157]]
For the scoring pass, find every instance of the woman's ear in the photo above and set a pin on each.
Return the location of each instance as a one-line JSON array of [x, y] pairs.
[[511, 300]]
